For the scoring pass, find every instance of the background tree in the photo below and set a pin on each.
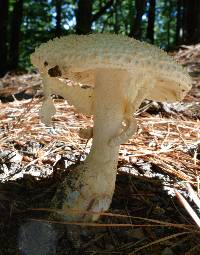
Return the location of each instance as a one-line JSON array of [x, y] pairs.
[[169, 20], [3, 35], [135, 30], [191, 21], [15, 34], [102, 10], [58, 5], [117, 7], [24, 24], [151, 21], [84, 17], [179, 22]]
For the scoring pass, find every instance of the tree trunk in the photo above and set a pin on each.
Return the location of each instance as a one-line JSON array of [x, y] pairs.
[[131, 16], [116, 15], [169, 19], [136, 28], [179, 22], [151, 20], [84, 17], [191, 21], [15, 34], [3, 36], [102, 10], [58, 4]]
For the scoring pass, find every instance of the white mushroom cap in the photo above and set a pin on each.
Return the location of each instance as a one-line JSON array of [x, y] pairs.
[[78, 57]]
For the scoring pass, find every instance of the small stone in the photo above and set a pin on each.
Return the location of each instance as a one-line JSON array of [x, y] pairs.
[[136, 233], [167, 251], [37, 238]]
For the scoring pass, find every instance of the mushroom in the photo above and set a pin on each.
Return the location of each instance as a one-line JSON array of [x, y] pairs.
[[120, 72]]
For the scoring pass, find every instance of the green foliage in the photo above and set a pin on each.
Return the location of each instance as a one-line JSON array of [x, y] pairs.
[[39, 25], [39, 21], [117, 19], [36, 27], [165, 25]]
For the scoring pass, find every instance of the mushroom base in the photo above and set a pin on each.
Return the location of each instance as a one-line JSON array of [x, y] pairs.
[[81, 195]]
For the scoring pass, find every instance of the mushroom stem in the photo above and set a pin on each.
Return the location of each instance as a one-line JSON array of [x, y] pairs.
[[109, 109], [90, 186]]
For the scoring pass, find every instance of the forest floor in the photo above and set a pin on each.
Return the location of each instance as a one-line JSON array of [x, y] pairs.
[[145, 216]]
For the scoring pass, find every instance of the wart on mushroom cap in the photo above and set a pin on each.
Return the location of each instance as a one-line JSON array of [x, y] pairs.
[[121, 73]]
